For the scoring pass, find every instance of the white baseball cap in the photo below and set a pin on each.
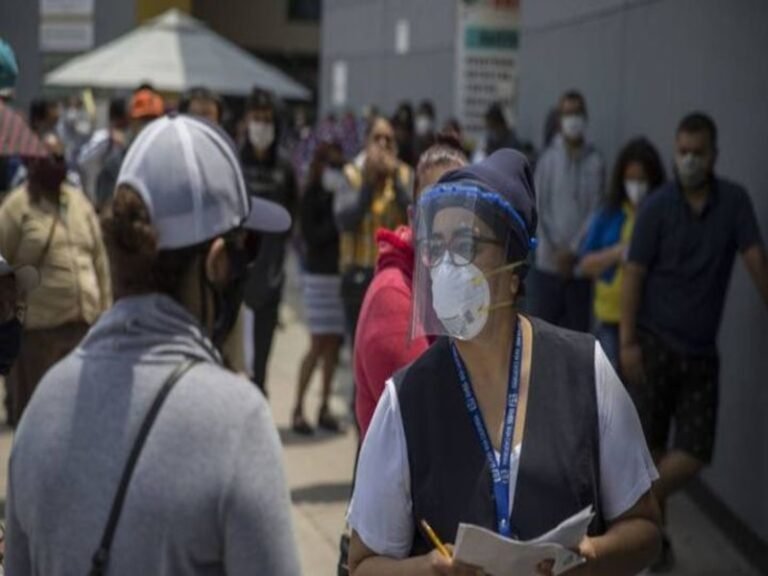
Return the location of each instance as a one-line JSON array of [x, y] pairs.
[[187, 173], [27, 277]]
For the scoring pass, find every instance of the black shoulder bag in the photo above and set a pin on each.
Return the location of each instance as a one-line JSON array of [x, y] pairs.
[[101, 557]]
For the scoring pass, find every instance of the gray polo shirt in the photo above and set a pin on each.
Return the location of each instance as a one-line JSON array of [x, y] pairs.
[[689, 259], [569, 189]]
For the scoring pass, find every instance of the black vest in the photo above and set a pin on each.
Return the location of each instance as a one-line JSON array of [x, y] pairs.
[[559, 471]]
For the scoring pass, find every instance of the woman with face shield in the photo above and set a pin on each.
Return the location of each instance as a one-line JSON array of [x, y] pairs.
[[207, 478], [506, 422]]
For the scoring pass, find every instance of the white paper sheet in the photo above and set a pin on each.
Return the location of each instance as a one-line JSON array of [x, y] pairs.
[[500, 556]]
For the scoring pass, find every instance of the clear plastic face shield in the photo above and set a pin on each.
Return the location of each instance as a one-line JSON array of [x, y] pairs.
[[468, 253]]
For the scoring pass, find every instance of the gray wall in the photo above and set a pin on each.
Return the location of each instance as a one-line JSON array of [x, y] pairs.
[[113, 18], [362, 32], [19, 27], [643, 64]]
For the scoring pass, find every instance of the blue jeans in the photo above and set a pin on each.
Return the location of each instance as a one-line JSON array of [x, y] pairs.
[[608, 336]]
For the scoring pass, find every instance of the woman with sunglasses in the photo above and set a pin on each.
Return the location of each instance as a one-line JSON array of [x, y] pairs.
[[506, 422], [50, 224]]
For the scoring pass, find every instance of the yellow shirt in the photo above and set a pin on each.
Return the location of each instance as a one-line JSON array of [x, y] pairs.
[[359, 248], [74, 274], [607, 304]]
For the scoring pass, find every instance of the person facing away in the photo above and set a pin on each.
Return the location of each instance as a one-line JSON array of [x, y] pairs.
[[15, 284], [322, 284], [270, 176], [145, 106], [383, 344], [569, 187], [104, 144], [485, 427], [676, 278], [208, 494], [376, 196], [637, 173], [52, 226]]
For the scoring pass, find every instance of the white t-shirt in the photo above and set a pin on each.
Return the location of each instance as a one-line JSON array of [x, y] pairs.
[[380, 511]]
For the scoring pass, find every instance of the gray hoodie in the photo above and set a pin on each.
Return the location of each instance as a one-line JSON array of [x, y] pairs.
[[208, 495]]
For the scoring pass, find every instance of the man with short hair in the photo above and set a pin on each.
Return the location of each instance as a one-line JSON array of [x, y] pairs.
[[203, 103], [570, 179], [680, 260], [106, 145], [145, 106]]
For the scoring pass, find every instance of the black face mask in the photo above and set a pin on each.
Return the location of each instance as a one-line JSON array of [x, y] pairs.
[[10, 343], [228, 300]]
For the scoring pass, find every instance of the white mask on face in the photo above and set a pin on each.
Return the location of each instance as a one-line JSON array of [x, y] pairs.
[[332, 179], [261, 134], [636, 190], [423, 125], [461, 298], [573, 126]]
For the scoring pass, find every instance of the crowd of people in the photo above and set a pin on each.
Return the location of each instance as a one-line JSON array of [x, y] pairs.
[[525, 333]]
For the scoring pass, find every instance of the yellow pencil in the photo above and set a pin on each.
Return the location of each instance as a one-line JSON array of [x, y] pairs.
[[435, 540]]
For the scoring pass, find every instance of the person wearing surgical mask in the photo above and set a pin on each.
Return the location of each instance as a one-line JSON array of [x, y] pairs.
[[570, 182], [268, 175], [51, 225], [424, 126], [506, 421], [676, 277], [637, 173], [209, 470]]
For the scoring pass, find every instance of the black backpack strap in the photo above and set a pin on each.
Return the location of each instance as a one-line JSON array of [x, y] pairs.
[[101, 557]]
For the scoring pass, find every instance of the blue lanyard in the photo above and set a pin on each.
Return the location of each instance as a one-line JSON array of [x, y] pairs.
[[500, 470]]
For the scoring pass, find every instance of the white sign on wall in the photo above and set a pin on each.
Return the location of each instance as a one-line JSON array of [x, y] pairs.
[[402, 36], [66, 25], [56, 36], [66, 7], [339, 83], [487, 61]]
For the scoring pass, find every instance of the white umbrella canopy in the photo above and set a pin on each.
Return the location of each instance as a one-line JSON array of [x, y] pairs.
[[175, 52]]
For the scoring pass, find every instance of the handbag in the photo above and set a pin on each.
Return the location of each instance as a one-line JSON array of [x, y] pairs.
[[100, 560]]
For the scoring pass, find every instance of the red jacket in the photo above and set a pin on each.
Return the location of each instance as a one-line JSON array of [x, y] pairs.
[[382, 342]]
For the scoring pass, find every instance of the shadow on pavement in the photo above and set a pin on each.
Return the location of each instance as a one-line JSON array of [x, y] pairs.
[[324, 493], [289, 438]]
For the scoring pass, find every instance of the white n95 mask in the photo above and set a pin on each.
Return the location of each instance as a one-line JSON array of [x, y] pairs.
[[461, 297]]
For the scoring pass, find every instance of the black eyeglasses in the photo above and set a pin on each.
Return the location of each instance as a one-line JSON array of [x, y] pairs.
[[461, 249]]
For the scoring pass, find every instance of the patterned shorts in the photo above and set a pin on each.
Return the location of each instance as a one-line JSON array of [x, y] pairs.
[[680, 389]]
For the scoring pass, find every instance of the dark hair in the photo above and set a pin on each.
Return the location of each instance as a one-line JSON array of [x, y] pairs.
[[576, 96], [320, 160], [638, 150], [136, 264], [426, 107], [117, 110], [38, 111], [495, 114], [145, 86], [403, 116], [698, 122], [260, 99], [201, 93], [446, 151]]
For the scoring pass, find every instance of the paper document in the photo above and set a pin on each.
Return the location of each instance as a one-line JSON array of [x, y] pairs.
[[500, 556]]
